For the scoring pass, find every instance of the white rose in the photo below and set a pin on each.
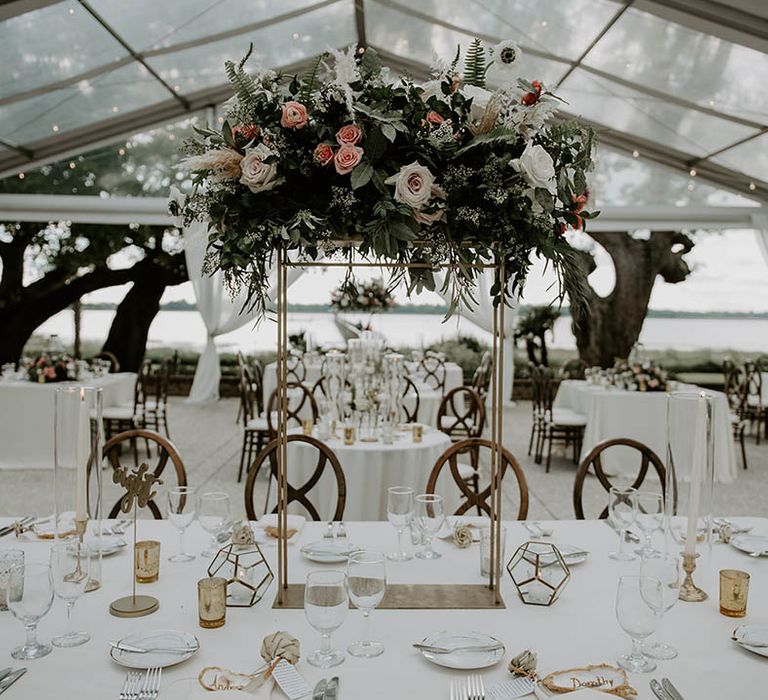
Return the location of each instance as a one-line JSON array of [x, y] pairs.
[[480, 99], [536, 166], [413, 185], [257, 175]]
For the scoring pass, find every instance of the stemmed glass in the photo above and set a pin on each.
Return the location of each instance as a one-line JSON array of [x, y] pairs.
[[622, 511], [399, 513], [29, 602], [366, 583], [650, 517], [70, 577], [430, 516], [638, 605], [325, 607], [665, 568], [213, 509], [181, 513]]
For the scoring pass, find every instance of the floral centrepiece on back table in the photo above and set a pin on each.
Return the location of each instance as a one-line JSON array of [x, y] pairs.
[[372, 296], [445, 172]]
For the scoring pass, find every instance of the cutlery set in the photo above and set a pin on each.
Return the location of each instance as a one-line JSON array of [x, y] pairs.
[[472, 689], [326, 689], [665, 690], [8, 676], [141, 686], [536, 530], [21, 524]]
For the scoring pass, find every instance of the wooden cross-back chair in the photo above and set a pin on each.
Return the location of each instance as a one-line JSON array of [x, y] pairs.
[[154, 410], [433, 369], [594, 460], [255, 426], [733, 383], [118, 419], [474, 498], [461, 414], [755, 411], [299, 399], [326, 459], [481, 379], [165, 452], [295, 369], [410, 400], [324, 386]]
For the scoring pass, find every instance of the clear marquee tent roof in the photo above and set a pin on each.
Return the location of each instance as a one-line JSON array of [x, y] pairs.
[[681, 83]]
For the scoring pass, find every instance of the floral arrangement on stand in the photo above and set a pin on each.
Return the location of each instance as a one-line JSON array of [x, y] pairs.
[[51, 368], [368, 297], [445, 172], [640, 377]]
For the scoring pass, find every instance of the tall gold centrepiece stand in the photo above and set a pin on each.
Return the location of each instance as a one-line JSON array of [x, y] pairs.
[[398, 596], [138, 485]]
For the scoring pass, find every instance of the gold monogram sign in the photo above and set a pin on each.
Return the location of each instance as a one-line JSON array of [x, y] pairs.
[[137, 484]]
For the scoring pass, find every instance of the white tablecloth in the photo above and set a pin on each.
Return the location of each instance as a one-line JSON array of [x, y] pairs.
[[579, 629], [26, 417], [370, 468], [614, 413]]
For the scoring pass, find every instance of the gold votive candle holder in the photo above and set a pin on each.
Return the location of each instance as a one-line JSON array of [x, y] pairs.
[[418, 432], [147, 561], [308, 425], [349, 434], [734, 589], [212, 601]]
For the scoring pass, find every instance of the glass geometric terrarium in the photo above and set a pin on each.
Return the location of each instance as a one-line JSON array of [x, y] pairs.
[[247, 573], [539, 573]]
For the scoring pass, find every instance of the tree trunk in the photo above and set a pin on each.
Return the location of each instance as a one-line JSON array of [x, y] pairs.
[[613, 323], [77, 317], [543, 352]]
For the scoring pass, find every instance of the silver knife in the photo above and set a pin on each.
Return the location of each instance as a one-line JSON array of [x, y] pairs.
[[444, 650], [671, 690], [631, 536], [5, 672], [120, 646], [319, 691], [332, 689], [658, 691], [8, 681]]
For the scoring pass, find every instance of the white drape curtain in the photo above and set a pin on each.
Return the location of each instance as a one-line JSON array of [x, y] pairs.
[[761, 231]]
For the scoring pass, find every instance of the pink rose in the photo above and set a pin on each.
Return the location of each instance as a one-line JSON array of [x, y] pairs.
[[347, 158], [294, 115], [50, 372], [323, 154], [413, 185], [350, 134], [434, 118]]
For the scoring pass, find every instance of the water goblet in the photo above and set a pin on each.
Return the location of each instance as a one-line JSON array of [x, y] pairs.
[[665, 568], [29, 603], [181, 513], [638, 602], [650, 517], [213, 509], [399, 513], [70, 575], [325, 607], [366, 583], [622, 511], [431, 516]]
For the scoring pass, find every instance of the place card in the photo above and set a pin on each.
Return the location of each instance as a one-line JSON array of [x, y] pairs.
[[289, 680], [507, 690]]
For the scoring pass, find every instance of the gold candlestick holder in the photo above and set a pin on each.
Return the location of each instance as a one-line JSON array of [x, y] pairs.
[[689, 591]]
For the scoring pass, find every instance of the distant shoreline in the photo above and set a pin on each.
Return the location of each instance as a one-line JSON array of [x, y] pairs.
[[439, 309]]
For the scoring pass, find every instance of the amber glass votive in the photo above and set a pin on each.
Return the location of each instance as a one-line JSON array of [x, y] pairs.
[[147, 561], [734, 588], [418, 432], [212, 601], [349, 434], [308, 425]]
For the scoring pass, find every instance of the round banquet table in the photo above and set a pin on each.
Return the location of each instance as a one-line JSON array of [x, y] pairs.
[[370, 468], [579, 629], [616, 413], [25, 406]]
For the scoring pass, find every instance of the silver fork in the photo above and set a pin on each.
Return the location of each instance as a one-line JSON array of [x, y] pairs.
[[128, 691], [457, 691], [151, 686], [475, 687]]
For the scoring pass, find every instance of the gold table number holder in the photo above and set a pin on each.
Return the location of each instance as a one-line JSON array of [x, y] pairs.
[[138, 492], [689, 591]]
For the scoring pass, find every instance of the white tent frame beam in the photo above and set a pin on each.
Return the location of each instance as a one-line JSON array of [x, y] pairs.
[[14, 8]]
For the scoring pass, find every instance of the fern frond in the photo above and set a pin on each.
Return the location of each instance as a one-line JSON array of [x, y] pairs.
[[243, 85], [309, 81], [475, 64]]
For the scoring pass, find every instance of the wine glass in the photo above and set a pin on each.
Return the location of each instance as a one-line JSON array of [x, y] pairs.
[[665, 568], [622, 510], [366, 583], [29, 602], [69, 575], [325, 607], [181, 513], [213, 509], [638, 605], [650, 517], [399, 513], [430, 516]]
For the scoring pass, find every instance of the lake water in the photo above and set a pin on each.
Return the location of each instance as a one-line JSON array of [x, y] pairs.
[[185, 330]]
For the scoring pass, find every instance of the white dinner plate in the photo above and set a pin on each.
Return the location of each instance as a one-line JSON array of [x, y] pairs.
[[751, 543], [155, 639], [462, 659], [757, 634], [110, 544], [328, 551]]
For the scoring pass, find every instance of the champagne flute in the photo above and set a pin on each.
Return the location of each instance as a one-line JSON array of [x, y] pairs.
[[70, 577], [213, 509], [665, 568], [366, 583], [430, 516], [622, 511], [650, 517], [29, 602], [638, 602], [181, 513], [325, 607], [399, 513]]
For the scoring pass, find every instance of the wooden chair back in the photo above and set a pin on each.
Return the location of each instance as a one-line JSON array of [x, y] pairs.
[[114, 363], [481, 379], [410, 401], [473, 447], [300, 399], [164, 450], [326, 459], [594, 460], [466, 411], [295, 369], [433, 369], [324, 388], [753, 384]]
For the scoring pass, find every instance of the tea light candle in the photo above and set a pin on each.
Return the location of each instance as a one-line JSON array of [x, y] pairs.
[[212, 602]]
